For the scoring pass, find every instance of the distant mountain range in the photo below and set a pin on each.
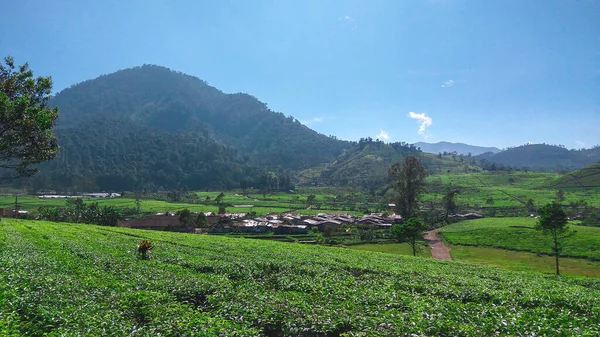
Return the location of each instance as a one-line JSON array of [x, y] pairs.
[[544, 157], [459, 148]]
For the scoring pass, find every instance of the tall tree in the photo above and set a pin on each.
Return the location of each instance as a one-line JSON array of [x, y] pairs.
[[553, 222], [411, 231], [202, 221], [449, 203], [407, 179], [26, 120], [185, 217], [560, 196]]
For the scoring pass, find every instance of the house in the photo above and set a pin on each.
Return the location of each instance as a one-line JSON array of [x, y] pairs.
[[157, 221], [329, 225]]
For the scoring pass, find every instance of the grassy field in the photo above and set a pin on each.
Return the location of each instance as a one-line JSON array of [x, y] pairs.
[[518, 234], [524, 261], [508, 189], [84, 280]]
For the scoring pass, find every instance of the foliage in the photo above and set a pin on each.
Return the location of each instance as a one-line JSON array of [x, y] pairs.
[[76, 211], [593, 219], [144, 247], [26, 120], [560, 196], [202, 221], [147, 127], [70, 280], [449, 203], [407, 180], [553, 222], [185, 217], [411, 232]]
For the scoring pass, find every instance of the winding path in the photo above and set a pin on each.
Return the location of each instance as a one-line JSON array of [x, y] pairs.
[[438, 249]]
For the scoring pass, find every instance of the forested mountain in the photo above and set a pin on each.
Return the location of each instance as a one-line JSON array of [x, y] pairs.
[[150, 126], [544, 157], [459, 148], [366, 164]]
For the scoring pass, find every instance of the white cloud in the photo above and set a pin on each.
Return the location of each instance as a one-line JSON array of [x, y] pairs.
[[448, 83], [312, 121], [383, 135], [423, 121], [348, 18], [580, 143]]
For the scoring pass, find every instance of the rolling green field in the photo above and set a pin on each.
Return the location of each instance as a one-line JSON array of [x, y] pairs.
[[518, 234], [273, 203], [508, 189], [83, 280]]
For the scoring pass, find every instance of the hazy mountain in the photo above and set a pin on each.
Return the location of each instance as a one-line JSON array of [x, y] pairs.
[[150, 126], [544, 157], [459, 148]]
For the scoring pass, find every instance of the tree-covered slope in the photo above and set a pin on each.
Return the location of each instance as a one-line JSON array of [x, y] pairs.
[[119, 154], [84, 280], [151, 115], [544, 157], [366, 164]]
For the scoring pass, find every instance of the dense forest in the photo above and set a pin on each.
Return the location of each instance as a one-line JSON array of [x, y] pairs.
[[150, 127]]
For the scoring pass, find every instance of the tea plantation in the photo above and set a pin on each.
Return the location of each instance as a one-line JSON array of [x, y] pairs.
[[83, 280], [520, 234]]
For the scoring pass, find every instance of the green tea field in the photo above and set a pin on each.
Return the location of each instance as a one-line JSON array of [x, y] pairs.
[[519, 234], [514, 189], [59, 279]]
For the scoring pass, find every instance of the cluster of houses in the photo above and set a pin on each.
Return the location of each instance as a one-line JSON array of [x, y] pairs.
[[287, 223], [84, 195]]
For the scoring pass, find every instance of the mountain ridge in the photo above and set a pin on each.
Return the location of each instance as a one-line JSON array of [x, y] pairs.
[[460, 148]]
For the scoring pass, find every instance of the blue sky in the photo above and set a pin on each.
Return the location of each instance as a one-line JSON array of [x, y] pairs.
[[493, 73]]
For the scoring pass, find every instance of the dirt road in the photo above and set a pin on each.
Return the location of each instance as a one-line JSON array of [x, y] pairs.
[[438, 248]]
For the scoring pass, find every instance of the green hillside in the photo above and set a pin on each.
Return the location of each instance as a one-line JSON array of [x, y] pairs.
[[585, 178], [507, 189], [366, 164], [75, 280]]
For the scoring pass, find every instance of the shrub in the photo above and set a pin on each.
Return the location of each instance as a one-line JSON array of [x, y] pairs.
[[143, 248]]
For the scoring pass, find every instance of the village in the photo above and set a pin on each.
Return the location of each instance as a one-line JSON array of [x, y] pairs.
[[286, 223]]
